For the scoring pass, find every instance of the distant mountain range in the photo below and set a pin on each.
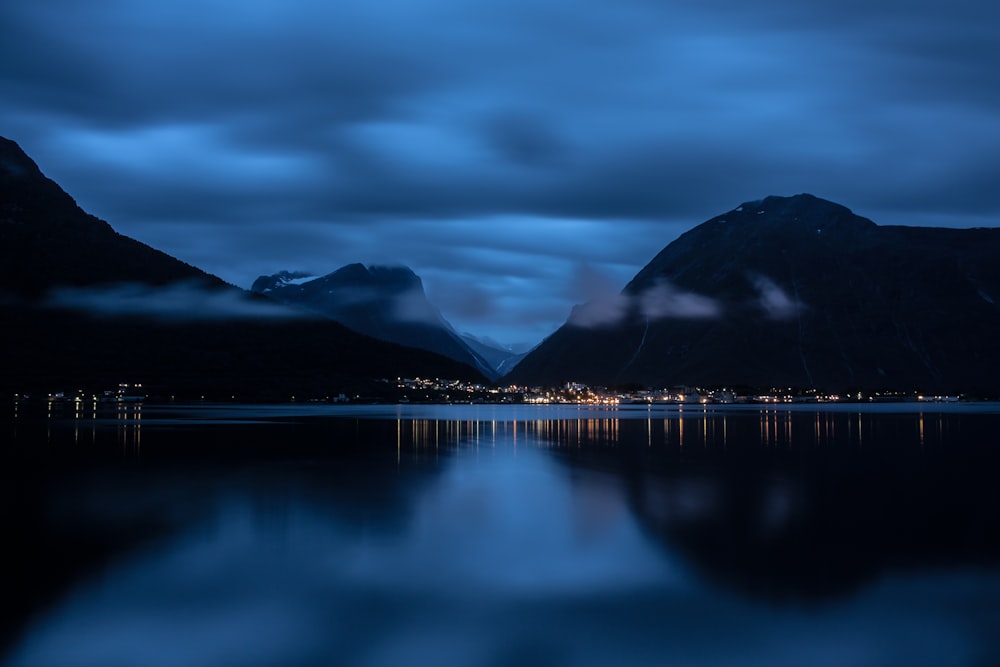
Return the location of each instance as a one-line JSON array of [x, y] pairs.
[[793, 291], [503, 358], [786, 291], [84, 306], [388, 303]]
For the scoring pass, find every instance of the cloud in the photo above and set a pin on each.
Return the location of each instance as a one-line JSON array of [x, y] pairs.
[[603, 312], [664, 300], [242, 136], [603, 304], [447, 110], [606, 307], [774, 300], [183, 301], [466, 301], [412, 306], [525, 139], [589, 283]]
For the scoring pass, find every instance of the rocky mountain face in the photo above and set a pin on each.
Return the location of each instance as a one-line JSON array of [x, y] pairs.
[[794, 291], [385, 302], [84, 306]]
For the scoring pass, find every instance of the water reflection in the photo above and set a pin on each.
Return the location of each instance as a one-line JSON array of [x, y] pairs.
[[205, 536], [850, 497]]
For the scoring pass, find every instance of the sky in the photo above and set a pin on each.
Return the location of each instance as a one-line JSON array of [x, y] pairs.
[[520, 156]]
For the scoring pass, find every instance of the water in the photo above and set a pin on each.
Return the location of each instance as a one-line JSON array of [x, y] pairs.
[[491, 535]]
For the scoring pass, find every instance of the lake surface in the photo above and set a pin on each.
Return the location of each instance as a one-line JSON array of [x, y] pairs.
[[500, 535]]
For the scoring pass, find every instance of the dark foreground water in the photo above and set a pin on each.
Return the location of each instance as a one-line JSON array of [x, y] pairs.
[[461, 535]]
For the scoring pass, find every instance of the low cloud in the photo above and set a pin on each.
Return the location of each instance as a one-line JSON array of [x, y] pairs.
[[466, 301], [345, 297], [413, 306], [775, 301], [182, 301], [602, 312], [607, 307], [603, 305], [664, 300]]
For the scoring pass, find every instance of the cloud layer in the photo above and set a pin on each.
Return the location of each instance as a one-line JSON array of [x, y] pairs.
[[663, 300], [184, 301]]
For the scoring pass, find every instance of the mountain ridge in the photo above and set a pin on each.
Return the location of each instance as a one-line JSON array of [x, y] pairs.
[[385, 302], [793, 291], [782, 291], [85, 306]]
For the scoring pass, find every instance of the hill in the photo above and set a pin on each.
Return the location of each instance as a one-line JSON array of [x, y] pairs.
[[86, 307], [793, 291]]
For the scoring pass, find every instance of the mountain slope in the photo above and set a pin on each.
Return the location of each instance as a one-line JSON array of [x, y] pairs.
[[500, 357], [47, 240], [794, 291], [84, 306], [384, 302]]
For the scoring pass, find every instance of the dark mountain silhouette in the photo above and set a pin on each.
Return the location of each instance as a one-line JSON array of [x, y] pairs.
[[46, 240], [794, 291], [385, 302], [84, 306]]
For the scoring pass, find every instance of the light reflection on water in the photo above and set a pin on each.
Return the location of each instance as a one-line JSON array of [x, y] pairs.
[[389, 536]]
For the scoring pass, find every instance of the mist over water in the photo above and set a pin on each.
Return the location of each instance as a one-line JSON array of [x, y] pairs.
[[491, 535]]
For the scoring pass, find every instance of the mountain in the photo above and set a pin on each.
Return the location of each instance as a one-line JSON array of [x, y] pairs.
[[794, 291], [385, 302], [502, 358], [84, 306], [46, 240]]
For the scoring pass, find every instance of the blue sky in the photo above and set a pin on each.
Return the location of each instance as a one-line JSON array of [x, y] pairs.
[[518, 155]]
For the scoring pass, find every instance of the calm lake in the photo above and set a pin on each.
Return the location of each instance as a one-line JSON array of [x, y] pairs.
[[204, 535]]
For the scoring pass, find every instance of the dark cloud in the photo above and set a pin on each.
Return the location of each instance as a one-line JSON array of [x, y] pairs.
[[492, 146], [470, 303], [526, 139]]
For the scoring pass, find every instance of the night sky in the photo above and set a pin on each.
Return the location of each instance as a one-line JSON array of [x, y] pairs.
[[520, 155]]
